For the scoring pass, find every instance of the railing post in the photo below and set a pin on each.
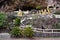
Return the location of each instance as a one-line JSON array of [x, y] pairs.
[[46, 30], [52, 30]]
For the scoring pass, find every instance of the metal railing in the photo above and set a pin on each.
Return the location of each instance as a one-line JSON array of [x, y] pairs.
[[46, 30]]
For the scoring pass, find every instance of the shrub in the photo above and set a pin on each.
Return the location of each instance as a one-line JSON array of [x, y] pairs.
[[57, 13], [58, 26], [28, 32], [38, 7], [16, 32], [17, 22], [3, 19]]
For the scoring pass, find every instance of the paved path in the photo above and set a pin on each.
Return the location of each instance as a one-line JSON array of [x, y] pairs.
[[32, 39]]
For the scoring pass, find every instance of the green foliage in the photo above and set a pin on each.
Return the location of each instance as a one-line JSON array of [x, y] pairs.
[[17, 22], [57, 13], [3, 19], [16, 31], [38, 7], [58, 26], [28, 32]]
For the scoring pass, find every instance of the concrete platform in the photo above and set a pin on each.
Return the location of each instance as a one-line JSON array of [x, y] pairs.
[[4, 35]]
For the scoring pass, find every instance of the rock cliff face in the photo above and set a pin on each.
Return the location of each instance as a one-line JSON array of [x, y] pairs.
[[11, 5]]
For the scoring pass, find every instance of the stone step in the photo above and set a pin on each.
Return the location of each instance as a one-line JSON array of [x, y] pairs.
[[5, 35]]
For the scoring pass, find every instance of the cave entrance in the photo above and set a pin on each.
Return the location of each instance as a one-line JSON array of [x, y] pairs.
[[24, 8]]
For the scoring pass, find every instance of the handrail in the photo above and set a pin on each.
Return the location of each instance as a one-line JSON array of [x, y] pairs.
[[46, 30]]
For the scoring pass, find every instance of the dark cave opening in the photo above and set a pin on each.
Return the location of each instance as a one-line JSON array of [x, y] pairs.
[[24, 8]]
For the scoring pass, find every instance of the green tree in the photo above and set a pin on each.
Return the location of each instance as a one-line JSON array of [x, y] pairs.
[[58, 26], [38, 7], [3, 19], [17, 22], [28, 32], [16, 32]]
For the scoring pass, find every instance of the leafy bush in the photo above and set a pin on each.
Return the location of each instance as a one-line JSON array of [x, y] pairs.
[[17, 22], [38, 7], [28, 32], [58, 26], [16, 32], [57, 13], [3, 19]]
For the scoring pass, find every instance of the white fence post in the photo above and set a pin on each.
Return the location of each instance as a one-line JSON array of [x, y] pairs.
[[46, 30], [52, 30]]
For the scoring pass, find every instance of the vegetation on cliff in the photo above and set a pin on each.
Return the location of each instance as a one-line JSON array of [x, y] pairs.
[[11, 5]]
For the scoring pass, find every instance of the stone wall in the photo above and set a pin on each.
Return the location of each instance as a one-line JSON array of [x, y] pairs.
[[47, 34]]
